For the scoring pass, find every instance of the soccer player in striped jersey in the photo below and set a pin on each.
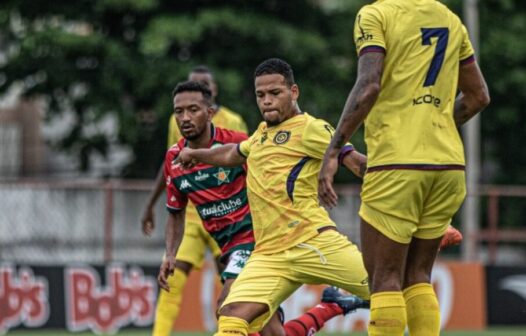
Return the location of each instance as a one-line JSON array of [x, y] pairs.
[[296, 241], [220, 197], [196, 240], [413, 55]]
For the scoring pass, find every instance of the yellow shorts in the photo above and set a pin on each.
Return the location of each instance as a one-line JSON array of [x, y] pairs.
[[402, 204], [328, 258], [195, 241]]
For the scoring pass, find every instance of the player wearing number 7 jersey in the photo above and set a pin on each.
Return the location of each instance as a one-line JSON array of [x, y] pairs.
[[413, 55]]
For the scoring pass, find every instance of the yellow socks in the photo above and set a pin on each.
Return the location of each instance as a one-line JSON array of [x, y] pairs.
[[423, 311], [388, 316], [169, 304], [231, 326]]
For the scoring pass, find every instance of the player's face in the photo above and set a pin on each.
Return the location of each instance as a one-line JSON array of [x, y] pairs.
[[192, 114], [275, 99], [205, 78]]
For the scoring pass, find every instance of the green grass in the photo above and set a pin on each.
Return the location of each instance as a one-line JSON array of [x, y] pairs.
[[490, 332]]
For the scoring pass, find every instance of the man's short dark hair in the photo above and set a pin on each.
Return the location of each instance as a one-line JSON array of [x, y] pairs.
[[193, 86], [276, 66]]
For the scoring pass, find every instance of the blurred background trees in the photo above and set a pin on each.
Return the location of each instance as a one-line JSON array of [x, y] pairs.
[[120, 59]]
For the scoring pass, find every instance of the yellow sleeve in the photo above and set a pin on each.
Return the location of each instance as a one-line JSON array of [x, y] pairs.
[[317, 137], [466, 49], [244, 146], [173, 132], [226, 118], [242, 126], [368, 30]]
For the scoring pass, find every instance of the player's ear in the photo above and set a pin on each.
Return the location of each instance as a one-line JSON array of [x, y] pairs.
[[295, 90], [210, 111]]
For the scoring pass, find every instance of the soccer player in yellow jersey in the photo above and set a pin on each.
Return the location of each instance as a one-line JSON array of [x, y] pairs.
[[413, 55], [296, 241], [196, 240]]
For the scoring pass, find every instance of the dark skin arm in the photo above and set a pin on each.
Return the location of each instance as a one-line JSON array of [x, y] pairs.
[[224, 156], [356, 162], [359, 102], [148, 215], [173, 235], [474, 93]]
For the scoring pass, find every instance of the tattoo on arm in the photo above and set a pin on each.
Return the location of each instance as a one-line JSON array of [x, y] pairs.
[[362, 97], [338, 140]]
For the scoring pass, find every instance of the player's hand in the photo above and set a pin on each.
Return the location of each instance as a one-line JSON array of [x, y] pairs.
[[147, 221], [185, 158], [167, 268], [326, 193]]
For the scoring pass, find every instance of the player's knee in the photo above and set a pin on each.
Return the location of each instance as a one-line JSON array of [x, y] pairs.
[[231, 309], [386, 280], [414, 278], [247, 311]]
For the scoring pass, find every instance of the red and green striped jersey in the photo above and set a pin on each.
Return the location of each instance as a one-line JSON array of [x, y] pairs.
[[218, 193]]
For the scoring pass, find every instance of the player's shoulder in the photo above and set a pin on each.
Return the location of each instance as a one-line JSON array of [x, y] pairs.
[[228, 136], [176, 148], [316, 123], [376, 8]]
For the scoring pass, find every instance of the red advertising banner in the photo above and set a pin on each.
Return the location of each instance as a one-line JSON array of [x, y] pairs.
[[105, 298], [460, 288]]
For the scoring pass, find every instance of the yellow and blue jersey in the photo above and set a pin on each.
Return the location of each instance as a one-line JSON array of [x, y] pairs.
[[282, 181], [412, 122]]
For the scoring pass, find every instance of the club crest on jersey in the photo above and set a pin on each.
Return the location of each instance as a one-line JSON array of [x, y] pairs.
[[222, 176], [282, 137]]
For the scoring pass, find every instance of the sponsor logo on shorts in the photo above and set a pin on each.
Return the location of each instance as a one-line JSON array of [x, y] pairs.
[[237, 261], [223, 208]]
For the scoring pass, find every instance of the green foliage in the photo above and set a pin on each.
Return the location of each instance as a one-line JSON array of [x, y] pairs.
[[123, 57], [503, 62]]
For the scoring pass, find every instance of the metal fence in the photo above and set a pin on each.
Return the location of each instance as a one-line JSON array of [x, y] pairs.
[[98, 222]]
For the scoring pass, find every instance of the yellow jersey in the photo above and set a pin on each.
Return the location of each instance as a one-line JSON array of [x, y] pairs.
[[223, 118], [411, 123], [282, 181]]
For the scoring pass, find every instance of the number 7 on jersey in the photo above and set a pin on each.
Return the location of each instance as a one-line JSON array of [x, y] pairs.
[[438, 58]]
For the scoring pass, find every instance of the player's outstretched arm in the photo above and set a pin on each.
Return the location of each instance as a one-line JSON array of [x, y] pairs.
[[224, 156], [173, 235], [474, 96]]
